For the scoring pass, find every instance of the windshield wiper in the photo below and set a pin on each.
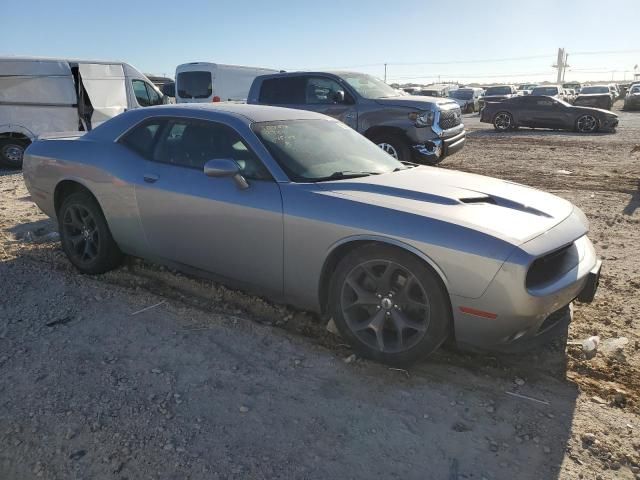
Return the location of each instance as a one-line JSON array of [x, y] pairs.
[[343, 175]]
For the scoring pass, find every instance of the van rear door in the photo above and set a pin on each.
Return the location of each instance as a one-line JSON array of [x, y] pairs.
[[105, 86], [195, 86]]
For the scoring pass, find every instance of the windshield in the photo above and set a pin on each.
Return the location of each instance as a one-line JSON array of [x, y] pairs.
[[545, 91], [313, 150], [498, 91], [594, 90], [635, 89], [368, 86], [461, 94]]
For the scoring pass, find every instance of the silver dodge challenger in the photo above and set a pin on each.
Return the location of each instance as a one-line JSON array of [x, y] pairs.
[[298, 207]]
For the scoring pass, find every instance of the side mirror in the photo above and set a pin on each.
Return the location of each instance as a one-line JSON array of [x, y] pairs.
[[169, 89], [338, 97], [225, 167]]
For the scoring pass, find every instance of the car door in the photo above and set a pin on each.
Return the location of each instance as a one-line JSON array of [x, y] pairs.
[[548, 113], [210, 223], [525, 111], [322, 95]]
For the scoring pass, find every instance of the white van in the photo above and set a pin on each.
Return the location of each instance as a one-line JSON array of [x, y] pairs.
[[41, 95], [202, 82]]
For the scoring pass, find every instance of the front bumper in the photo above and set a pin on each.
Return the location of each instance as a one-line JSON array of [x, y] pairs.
[[433, 151], [509, 313]]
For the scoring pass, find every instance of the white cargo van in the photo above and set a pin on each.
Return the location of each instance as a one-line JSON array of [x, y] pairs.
[[42, 95], [202, 82]]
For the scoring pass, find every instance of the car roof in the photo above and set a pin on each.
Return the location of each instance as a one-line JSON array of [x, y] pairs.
[[250, 113]]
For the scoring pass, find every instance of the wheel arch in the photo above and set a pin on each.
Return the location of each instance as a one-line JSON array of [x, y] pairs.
[[17, 132], [345, 246], [378, 130], [67, 187]]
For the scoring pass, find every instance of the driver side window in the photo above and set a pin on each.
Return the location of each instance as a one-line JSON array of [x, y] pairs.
[[322, 91], [145, 94], [192, 143]]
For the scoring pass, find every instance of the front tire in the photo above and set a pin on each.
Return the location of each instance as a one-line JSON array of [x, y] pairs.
[[85, 235], [394, 145], [389, 304], [586, 124], [503, 122], [12, 152]]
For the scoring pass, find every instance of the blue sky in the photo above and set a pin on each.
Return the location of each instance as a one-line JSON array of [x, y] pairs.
[[155, 36]]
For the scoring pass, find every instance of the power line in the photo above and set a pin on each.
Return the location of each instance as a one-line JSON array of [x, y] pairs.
[[472, 61]]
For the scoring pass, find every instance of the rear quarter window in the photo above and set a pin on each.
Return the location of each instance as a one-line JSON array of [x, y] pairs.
[[283, 91]]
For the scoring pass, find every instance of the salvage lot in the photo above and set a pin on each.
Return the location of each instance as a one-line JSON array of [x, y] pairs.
[[213, 383]]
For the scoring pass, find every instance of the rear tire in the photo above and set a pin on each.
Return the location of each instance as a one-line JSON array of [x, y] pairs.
[[389, 304], [85, 235], [394, 145], [503, 122], [12, 152]]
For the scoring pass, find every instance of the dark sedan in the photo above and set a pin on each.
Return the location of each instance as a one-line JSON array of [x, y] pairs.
[[546, 112]]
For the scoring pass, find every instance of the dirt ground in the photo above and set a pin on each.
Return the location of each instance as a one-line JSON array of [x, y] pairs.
[[212, 383]]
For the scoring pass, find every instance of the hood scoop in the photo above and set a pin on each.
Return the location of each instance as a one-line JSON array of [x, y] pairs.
[[485, 199], [505, 203]]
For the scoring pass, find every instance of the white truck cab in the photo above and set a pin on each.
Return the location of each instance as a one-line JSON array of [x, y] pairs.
[[44, 95], [204, 82]]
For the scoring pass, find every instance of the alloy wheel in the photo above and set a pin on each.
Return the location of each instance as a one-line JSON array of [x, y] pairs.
[[390, 149], [81, 231], [502, 121], [587, 124], [385, 306]]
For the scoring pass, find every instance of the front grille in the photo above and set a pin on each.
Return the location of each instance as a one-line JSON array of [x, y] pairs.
[[450, 118]]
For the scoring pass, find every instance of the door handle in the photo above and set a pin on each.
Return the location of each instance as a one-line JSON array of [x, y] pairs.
[[150, 178]]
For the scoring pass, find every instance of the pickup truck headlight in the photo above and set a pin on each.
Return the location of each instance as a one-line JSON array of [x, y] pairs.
[[422, 119]]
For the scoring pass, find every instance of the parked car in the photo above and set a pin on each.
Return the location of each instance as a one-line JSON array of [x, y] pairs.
[[546, 112], [297, 206], [467, 98], [525, 88], [575, 86], [409, 128], [441, 91], [632, 99], [570, 95], [497, 94], [43, 95], [599, 96], [615, 91], [554, 91], [204, 82]]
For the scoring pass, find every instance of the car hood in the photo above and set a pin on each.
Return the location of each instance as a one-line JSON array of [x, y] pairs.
[[599, 111], [509, 211], [414, 101], [462, 102], [496, 97]]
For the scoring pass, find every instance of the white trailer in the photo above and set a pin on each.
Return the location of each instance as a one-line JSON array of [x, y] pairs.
[[202, 82], [42, 95]]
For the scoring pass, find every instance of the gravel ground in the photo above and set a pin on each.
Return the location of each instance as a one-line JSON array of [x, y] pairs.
[[213, 383]]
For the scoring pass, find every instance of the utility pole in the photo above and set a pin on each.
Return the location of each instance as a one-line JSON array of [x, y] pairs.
[[561, 64], [385, 73]]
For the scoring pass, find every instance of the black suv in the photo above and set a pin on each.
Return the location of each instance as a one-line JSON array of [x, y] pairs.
[[420, 129]]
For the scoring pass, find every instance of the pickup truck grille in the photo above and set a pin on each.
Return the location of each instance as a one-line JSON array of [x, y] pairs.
[[450, 118]]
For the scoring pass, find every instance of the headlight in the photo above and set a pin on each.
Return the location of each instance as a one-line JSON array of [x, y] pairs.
[[424, 119]]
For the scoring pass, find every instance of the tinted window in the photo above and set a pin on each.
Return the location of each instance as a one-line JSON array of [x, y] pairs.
[[142, 137], [544, 102], [594, 90], [498, 91], [283, 91], [194, 84], [545, 91], [192, 143]]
